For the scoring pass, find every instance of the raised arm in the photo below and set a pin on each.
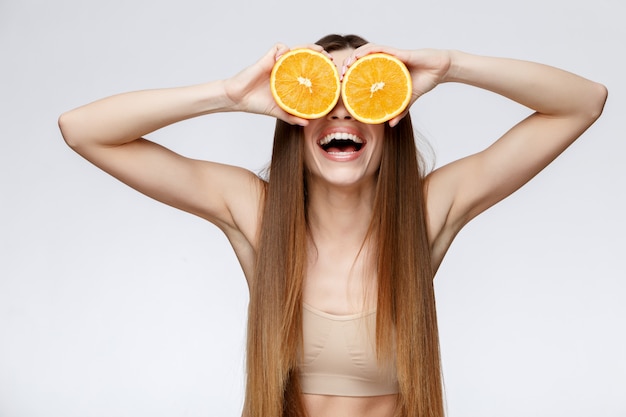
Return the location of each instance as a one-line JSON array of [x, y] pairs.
[[564, 105], [109, 133]]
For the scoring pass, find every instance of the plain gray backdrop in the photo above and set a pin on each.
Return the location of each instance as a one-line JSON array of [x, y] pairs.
[[114, 305]]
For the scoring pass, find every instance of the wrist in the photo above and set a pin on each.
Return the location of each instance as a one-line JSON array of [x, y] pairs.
[[212, 97], [457, 64]]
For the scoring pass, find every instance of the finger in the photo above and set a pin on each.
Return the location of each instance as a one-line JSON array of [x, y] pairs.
[[370, 48], [290, 118], [394, 122], [279, 50], [314, 47], [294, 120], [284, 49]]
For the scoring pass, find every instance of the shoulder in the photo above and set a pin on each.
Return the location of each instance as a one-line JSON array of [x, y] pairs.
[[243, 195]]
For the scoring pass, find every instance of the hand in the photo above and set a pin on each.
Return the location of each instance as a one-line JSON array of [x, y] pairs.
[[428, 68], [249, 90]]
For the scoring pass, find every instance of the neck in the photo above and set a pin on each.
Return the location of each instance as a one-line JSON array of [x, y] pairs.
[[340, 214]]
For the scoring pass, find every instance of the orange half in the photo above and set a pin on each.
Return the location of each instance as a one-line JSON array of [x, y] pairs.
[[305, 83], [376, 88]]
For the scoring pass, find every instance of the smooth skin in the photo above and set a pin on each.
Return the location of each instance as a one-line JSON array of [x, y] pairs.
[[109, 133]]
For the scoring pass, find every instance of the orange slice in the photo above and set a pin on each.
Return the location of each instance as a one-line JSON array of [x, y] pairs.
[[305, 83], [376, 88]]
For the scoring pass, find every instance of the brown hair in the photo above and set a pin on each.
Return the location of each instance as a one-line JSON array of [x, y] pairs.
[[406, 325]]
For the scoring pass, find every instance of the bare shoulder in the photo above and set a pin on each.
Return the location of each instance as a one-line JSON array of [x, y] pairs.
[[242, 194]]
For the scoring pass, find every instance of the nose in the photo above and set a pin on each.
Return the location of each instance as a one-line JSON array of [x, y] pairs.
[[339, 112]]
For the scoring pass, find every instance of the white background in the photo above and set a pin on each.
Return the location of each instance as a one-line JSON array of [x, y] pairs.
[[114, 305]]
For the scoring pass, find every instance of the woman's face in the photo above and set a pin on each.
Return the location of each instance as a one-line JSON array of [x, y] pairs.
[[338, 148]]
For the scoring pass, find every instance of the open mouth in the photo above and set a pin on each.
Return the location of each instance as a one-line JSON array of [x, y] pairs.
[[341, 142]]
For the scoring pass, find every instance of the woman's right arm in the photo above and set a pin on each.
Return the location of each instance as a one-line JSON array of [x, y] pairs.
[[109, 133]]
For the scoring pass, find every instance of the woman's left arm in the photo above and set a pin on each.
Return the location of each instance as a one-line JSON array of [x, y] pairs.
[[564, 105]]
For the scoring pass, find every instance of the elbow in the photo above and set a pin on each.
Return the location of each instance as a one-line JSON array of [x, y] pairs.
[[597, 100], [67, 126]]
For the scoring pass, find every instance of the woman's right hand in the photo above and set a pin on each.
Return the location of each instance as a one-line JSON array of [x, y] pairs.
[[249, 90]]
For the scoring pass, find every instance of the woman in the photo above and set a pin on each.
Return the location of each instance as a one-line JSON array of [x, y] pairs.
[[340, 245]]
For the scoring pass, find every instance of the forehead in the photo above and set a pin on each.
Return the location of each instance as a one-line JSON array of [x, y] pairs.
[[340, 56]]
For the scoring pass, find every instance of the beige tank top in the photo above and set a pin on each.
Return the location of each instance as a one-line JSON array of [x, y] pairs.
[[339, 356]]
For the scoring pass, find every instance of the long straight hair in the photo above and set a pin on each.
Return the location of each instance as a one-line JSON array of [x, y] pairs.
[[406, 323]]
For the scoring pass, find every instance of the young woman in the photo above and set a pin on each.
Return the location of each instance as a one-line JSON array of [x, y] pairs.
[[340, 245]]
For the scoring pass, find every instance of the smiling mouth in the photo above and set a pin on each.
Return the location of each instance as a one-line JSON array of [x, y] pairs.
[[341, 143]]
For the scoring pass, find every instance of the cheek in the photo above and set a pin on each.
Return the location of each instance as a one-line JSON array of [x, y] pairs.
[[377, 154], [309, 142], [309, 160]]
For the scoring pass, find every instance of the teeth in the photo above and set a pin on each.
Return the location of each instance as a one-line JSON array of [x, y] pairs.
[[340, 136]]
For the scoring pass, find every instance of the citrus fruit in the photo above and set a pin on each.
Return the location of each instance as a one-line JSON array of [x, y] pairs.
[[376, 88], [305, 83]]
